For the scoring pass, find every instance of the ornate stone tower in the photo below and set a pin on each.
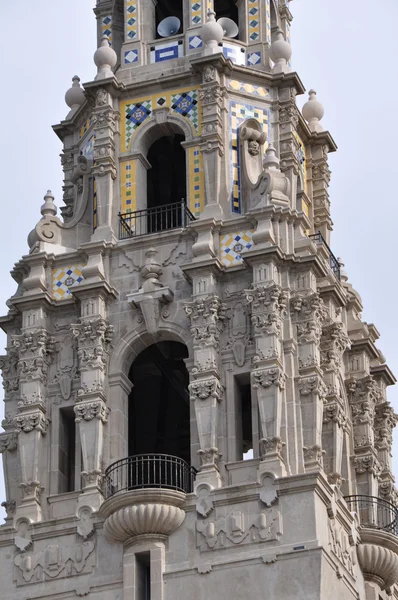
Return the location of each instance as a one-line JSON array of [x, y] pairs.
[[193, 406]]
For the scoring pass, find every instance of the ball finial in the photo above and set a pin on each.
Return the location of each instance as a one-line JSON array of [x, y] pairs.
[[105, 58], [74, 97], [280, 53], [212, 34], [313, 112]]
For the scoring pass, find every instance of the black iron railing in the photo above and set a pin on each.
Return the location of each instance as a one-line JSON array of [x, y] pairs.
[[334, 263], [374, 512], [153, 220], [149, 471]]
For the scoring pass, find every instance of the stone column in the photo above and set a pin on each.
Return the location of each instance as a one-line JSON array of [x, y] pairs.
[[268, 310], [334, 342], [308, 313], [94, 336], [104, 170], [206, 315], [8, 447], [35, 348]]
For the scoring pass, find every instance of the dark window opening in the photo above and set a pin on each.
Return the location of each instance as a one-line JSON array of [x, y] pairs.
[[159, 416], [244, 410], [67, 445], [143, 575], [168, 8], [166, 183], [227, 9]]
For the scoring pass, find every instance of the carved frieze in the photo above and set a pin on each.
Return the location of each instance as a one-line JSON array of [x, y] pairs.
[[268, 377], [207, 317], [55, 561], [10, 371], [239, 528], [367, 463], [334, 413], [35, 350], [204, 388], [31, 421], [312, 384], [87, 411], [334, 342], [339, 544], [94, 337]]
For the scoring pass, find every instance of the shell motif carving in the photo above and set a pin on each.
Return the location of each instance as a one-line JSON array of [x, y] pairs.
[[379, 563], [141, 519]]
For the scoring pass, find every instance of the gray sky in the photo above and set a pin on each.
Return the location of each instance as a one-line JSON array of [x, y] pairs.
[[339, 48]]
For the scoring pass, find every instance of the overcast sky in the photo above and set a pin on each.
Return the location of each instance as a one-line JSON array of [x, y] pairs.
[[339, 48]]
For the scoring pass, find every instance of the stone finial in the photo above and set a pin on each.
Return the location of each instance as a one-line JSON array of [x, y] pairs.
[[343, 272], [280, 53], [313, 112], [105, 58], [48, 208], [74, 97], [270, 161], [212, 34]]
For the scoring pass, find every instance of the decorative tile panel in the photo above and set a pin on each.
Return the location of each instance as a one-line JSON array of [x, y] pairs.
[[131, 20], [135, 112], [131, 56], [65, 278], [196, 181], [239, 112], [254, 19], [248, 88], [196, 13], [85, 127], [234, 52], [87, 149], [195, 42], [106, 26], [253, 58], [128, 191], [268, 21], [233, 245], [301, 158], [167, 51]]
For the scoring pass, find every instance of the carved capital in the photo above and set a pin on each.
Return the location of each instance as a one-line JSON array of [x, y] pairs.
[[266, 378], [272, 446], [313, 384], [87, 411], [334, 343], [205, 388], [334, 413], [367, 463], [209, 457], [8, 441], [207, 316], [30, 422]]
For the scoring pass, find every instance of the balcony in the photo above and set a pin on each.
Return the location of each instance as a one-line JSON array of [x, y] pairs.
[[333, 262], [144, 495], [378, 552], [154, 220]]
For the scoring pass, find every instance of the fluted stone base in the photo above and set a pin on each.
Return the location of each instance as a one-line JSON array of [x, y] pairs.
[[141, 512], [378, 557]]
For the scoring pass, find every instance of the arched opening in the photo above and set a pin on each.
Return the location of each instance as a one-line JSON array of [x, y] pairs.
[[166, 183], [168, 8], [159, 416]]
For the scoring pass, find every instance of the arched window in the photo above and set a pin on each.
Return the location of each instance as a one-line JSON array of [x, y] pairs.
[[158, 416]]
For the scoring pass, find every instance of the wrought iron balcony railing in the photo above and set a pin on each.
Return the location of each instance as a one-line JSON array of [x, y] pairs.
[[375, 513], [334, 263], [154, 220], [142, 471]]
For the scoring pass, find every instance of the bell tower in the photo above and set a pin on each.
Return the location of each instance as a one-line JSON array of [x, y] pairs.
[[194, 406]]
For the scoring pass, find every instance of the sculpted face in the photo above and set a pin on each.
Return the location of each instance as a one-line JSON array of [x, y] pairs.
[[254, 147]]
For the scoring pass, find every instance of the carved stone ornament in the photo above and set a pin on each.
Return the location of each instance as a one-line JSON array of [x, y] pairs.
[[367, 463], [339, 544], [205, 388], [267, 377], [209, 457], [334, 413], [334, 343], [209, 73], [10, 371], [94, 337], [101, 97], [53, 562], [271, 447], [207, 316], [35, 350], [313, 384], [31, 421], [239, 528], [204, 503], [252, 138], [86, 411], [23, 538], [152, 293], [8, 441], [267, 300]]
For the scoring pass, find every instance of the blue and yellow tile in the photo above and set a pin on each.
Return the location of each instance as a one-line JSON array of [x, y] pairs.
[[233, 246], [64, 279]]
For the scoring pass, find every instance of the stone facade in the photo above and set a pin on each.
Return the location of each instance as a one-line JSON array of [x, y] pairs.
[[111, 493]]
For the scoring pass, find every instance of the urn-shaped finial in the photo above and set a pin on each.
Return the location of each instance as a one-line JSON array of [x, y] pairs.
[[313, 112], [105, 58], [48, 208], [280, 53], [74, 97], [212, 34]]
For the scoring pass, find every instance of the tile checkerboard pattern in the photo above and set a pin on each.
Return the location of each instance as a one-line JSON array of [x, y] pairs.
[[106, 26], [131, 20], [63, 279], [253, 8], [239, 112], [196, 13], [85, 127], [248, 88], [87, 149], [233, 245], [268, 21]]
